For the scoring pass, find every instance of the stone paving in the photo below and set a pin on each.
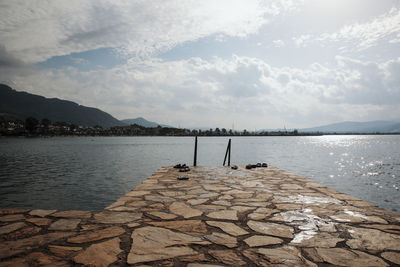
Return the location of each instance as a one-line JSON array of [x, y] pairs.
[[218, 217]]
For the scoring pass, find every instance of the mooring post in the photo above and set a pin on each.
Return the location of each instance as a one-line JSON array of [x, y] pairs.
[[229, 155], [195, 152], [228, 152]]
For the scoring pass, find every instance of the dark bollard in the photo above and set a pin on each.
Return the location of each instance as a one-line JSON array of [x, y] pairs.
[[195, 152]]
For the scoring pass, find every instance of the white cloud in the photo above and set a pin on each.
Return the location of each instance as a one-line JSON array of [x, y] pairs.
[[244, 90], [37, 30], [359, 36]]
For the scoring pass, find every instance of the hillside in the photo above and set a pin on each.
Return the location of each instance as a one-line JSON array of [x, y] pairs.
[[14, 104], [143, 122]]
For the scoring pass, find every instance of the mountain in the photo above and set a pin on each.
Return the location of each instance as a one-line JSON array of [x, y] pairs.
[[143, 122], [358, 127], [14, 104]]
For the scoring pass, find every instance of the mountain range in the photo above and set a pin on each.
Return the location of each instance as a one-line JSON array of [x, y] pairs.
[[20, 105]]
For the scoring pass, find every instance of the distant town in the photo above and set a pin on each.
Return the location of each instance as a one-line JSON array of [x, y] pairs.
[[33, 127]]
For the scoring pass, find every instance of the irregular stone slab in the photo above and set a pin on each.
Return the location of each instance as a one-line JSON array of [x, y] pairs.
[[101, 254], [10, 248], [73, 214], [65, 224], [392, 256], [154, 243], [180, 208], [322, 240], [116, 217], [344, 257], [137, 204], [41, 213], [287, 256], [395, 229], [36, 259], [192, 227], [208, 208], [12, 211], [228, 257], [39, 221], [242, 208], [273, 229], [87, 227], [135, 193], [63, 251], [12, 218], [228, 228], [11, 227], [224, 215], [22, 233], [132, 225], [372, 240], [197, 201], [163, 215], [262, 240], [97, 235], [222, 239]]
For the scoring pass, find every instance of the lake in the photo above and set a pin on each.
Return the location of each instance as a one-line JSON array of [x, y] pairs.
[[89, 173]]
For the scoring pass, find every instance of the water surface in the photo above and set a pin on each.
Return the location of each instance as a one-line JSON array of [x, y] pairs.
[[89, 173]]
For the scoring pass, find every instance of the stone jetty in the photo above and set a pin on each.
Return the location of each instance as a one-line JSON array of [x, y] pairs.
[[218, 217]]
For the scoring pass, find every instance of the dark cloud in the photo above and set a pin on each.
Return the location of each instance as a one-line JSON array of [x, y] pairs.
[[9, 61]]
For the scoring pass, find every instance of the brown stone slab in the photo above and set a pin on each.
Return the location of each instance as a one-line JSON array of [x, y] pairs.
[[12, 211], [224, 215], [228, 257], [100, 254], [222, 239], [81, 214], [39, 221], [41, 213], [22, 233], [117, 217], [36, 259], [12, 218], [262, 240], [228, 228], [63, 251], [192, 227], [392, 257], [65, 224], [97, 235], [180, 208], [10, 248], [274, 229], [11, 227]]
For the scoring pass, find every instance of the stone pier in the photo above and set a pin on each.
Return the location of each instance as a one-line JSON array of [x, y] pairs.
[[218, 217]]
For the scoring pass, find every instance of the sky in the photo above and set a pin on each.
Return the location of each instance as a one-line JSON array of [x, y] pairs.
[[230, 64]]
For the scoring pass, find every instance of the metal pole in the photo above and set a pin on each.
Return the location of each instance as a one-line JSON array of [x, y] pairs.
[[226, 153], [229, 155], [195, 152]]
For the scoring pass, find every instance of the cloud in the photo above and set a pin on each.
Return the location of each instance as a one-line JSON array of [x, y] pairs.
[[217, 92], [35, 31], [359, 36]]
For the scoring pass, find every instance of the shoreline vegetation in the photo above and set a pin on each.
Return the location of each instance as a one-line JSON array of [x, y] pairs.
[[32, 127]]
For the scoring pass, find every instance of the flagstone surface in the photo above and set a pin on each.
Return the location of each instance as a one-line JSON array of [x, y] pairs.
[[217, 217]]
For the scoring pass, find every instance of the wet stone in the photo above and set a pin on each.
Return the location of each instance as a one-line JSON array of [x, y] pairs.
[[22, 233], [372, 240], [12, 211], [100, 254]]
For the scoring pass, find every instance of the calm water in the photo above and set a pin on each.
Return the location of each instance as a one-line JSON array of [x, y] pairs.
[[90, 173]]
